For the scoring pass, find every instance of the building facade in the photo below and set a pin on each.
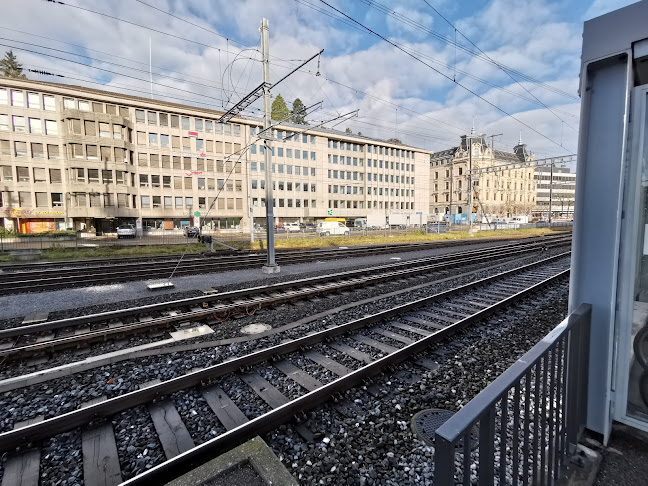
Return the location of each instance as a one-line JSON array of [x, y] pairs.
[[499, 194], [79, 158], [557, 188]]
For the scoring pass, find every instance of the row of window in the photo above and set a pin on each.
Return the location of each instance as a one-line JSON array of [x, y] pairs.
[[285, 169], [37, 150], [32, 100], [179, 202], [92, 128], [486, 197], [48, 102], [23, 174], [188, 163], [284, 186], [497, 184], [389, 178], [379, 164], [370, 204], [355, 190], [507, 173], [284, 135], [334, 174], [186, 123], [26, 199], [389, 191], [279, 152], [186, 144], [344, 145], [34, 125], [285, 203], [333, 159], [562, 186], [408, 154], [548, 178], [202, 183], [95, 107]]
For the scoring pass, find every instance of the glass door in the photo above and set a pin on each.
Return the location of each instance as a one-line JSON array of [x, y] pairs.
[[631, 350]]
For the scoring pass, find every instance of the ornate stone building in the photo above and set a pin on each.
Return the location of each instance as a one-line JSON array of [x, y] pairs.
[[502, 193]]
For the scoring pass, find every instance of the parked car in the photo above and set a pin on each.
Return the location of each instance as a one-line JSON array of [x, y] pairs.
[[327, 228], [126, 231], [192, 232], [292, 227]]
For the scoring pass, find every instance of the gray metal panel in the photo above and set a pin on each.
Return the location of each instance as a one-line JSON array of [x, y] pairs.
[[614, 32], [597, 221]]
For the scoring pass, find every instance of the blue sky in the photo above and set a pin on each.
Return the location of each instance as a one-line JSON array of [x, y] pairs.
[[533, 49]]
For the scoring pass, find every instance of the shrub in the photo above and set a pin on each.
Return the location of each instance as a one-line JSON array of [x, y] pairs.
[[48, 234]]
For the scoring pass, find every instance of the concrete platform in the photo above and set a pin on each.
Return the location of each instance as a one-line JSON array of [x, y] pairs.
[[625, 458], [250, 464]]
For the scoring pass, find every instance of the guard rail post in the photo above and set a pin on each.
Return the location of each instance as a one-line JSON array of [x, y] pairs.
[[554, 372]]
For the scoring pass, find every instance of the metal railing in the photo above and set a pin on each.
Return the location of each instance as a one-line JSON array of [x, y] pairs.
[[524, 426]]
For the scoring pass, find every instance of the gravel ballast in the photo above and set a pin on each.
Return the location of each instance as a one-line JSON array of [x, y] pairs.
[[376, 446], [375, 438], [284, 314]]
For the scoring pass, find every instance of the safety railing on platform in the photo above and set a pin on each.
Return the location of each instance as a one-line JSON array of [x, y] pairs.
[[524, 426]]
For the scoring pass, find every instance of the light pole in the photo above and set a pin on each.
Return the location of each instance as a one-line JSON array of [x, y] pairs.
[[550, 189], [470, 188]]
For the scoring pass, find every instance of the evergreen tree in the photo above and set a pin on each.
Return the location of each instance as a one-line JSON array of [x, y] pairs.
[[279, 109], [359, 133], [299, 112], [348, 130], [10, 67]]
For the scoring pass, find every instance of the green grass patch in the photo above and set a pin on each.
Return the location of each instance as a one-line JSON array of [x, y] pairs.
[[317, 242], [118, 252], [63, 253]]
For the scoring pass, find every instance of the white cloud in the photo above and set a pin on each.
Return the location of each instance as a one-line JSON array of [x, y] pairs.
[[433, 111]]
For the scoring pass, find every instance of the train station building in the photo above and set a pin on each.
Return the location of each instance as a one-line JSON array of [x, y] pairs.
[[80, 158]]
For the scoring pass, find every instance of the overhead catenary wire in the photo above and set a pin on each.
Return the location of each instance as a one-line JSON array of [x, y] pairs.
[[184, 75], [108, 71], [190, 23], [74, 76], [417, 25], [219, 50], [499, 65], [396, 45], [240, 154], [112, 63], [57, 2]]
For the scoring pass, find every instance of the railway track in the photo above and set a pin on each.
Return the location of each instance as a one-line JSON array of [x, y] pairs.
[[187, 314], [318, 366], [40, 277]]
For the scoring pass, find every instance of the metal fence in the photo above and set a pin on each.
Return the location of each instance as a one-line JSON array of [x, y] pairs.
[[524, 426], [177, 237]]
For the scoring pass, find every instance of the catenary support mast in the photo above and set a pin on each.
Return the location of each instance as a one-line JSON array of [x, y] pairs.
[[270, 266]]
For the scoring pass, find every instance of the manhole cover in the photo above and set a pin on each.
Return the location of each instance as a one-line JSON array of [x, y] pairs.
[[426, 422], [255, 328]]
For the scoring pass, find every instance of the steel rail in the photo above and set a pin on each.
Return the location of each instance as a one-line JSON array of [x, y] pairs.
[[167, 321], [77, 418], [49, 279], [122, 313], [189, 460], [243, 258], [242, 253]]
